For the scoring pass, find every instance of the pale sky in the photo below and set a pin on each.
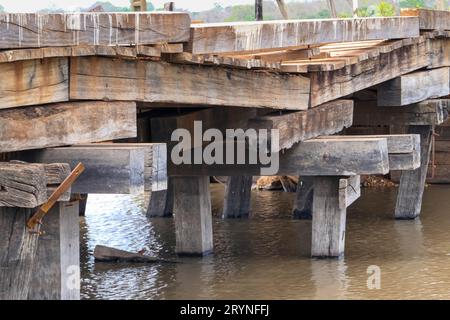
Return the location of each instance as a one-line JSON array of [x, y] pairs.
[[34, 5]]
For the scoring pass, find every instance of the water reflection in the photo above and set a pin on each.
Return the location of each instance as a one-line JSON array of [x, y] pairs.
[[267, 256]]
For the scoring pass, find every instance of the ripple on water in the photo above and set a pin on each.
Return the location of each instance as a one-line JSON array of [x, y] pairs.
[[267, 256]]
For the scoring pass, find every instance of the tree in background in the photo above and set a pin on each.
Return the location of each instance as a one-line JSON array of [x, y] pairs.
[[412, 3], [2, 9]]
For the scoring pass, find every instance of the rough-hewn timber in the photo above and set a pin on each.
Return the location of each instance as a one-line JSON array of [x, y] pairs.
[[331, 85], [96, 78], [30, 30], [113, 170], [66, 124], [294, 127], [245, 36], [56, 269], [34, 82], [192, 211], [237, 200], [415, 87], [429, 112], [429, 19], [312, 157]]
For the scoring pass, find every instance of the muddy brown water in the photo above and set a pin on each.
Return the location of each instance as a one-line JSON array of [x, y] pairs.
[[267, 255]]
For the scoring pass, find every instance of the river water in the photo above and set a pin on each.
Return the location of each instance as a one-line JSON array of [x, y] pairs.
[[267, 255]]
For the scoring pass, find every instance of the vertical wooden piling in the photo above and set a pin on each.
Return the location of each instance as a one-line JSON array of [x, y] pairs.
[[304, 198], [258, 10], [56, 272], [328, 222], [192, 211], [237, 200], [412, 183], [161, 202], [17, 253]]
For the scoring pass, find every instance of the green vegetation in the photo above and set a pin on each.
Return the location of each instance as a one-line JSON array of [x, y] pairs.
[[2, 9], [412, 3], [386, 9], [241, 13]]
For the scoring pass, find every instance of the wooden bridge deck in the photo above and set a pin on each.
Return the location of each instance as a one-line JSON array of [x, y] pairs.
[[70, 80]]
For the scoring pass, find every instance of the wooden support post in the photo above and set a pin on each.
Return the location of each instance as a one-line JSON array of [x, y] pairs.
[[237, 199], [329, 216], [412, 183], [56, 271], [258, 10], [82, 199], [17, 253], [193, 219], [161, 202], [304, 198]]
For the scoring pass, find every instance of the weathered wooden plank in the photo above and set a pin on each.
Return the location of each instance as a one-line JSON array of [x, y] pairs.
[[30, 30], [349, 191], [193, 219], [329, 219], [237, 200], [34, 82], [96, 78], [331, 85], [65, 124], [56, 268], [412, 183], [294, 127], [438, 52], [17, 253], [22, 185], [155, 172], [415, 87], [429, 112], [113, 170], [244, 36], [429, 19], [312, 157]]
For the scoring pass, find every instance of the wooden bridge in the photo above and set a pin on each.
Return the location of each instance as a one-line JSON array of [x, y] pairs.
[[109, 89]]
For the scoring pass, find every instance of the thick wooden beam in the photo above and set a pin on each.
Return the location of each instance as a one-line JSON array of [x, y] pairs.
[[65, 124], [245, 36], [415, 87], [34, 82], [193, 219], [438, 49], [95, 78], [30, 30], [28, 185], [329, 219], [403, 149], [56, 269], [113, 170], [349, 156], [294, 127], [331, 85], [412, 183], [237, 200], [349, 191], [17, 253], [429, 112], [430, 19]]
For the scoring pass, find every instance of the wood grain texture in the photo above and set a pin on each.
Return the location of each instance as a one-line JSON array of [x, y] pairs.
[[304, 198], [22, 185], [429, 112], [415, 87], [331, 85], [31, 30], [328, 223], [412, 183], [429, 19], [66, 124], [193, 219], [17, 253], [34, 82], [112, 170], [96, 78], [245, 36], [312, 157], [237, 200], [349, 191], [294, 127], [57, 256]]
